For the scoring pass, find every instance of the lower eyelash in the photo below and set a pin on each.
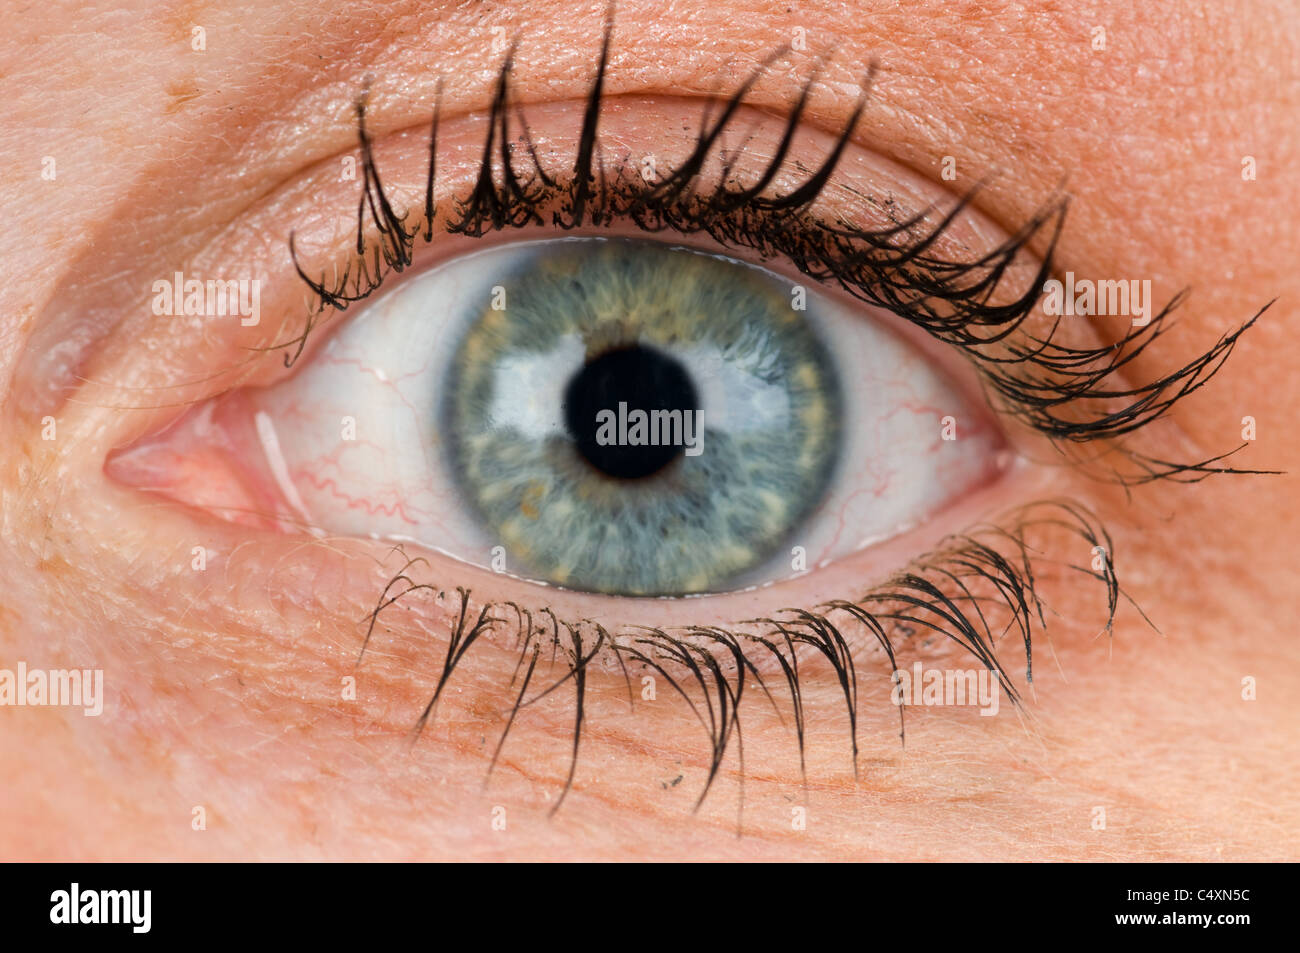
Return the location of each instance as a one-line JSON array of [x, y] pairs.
[[1069, 394], [973, 591]]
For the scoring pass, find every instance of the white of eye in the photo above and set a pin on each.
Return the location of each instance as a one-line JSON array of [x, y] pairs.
[[912, 442]]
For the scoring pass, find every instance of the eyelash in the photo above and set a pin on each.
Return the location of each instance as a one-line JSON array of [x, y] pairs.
[[1035, 381], [891, 268], [973, 565]]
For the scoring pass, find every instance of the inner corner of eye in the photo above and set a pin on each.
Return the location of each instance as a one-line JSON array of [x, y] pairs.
[[618, 416]]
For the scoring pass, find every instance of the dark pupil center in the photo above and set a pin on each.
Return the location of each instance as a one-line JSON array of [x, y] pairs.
[[644, 380]]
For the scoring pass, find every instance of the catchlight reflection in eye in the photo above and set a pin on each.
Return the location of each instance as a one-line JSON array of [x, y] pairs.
[[617, 416]]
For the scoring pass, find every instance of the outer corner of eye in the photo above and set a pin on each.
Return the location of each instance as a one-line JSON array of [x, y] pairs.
[[611, 415]]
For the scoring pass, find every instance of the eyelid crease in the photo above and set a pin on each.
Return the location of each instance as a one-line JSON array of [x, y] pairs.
[[1071, 394]]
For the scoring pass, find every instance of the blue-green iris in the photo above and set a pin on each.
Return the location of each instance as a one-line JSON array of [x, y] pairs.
[[768, 431]]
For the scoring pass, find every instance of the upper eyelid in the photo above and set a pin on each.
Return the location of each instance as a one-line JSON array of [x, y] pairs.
[[302, 189], [246, 239], [1034, 397], [341, 291], [491, 194]]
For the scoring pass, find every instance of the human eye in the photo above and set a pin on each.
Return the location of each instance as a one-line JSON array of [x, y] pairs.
[[612, 415], [539, 275]]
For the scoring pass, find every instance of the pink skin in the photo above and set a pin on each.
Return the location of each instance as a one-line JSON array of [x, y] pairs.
[[224, 686]]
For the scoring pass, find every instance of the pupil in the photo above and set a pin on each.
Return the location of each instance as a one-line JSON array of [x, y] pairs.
[[642, 379]]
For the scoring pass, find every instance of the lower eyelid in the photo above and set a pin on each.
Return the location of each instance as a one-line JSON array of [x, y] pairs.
[[224, 454], [311, 601], [409, 668]]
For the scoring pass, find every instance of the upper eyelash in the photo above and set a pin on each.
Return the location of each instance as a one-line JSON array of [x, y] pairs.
[[1037, 380]]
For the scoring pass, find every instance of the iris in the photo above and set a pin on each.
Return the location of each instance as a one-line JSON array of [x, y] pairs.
[[636, 418]]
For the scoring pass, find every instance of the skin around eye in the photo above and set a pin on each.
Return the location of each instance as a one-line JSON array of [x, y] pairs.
[[438, 416], [225, 647]]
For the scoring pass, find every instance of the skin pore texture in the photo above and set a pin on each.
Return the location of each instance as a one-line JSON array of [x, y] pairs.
[[223, 686]]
